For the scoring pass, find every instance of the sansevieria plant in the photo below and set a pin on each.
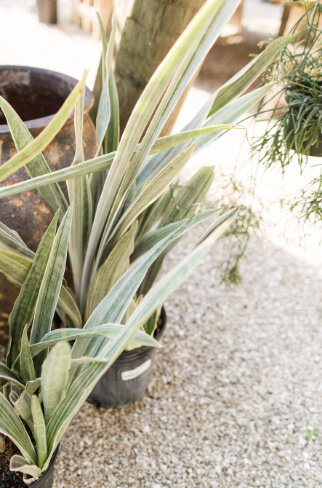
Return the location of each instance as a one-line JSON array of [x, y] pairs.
[[126, 199], [45, 380], [122, 214]]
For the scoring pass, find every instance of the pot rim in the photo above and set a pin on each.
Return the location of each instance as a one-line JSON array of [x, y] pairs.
[[44, 121], [48, 470]]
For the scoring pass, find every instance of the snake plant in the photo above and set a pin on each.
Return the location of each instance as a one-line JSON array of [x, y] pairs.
[[45, 380], [126, 199]]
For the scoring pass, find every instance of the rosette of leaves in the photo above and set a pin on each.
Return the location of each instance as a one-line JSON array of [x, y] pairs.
[[45, 380], [126, 199]]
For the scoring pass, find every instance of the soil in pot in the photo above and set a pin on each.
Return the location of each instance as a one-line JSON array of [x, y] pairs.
[[127, 380], [11, 479]]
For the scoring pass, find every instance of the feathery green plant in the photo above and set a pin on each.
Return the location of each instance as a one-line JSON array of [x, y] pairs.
[[297, 72], [295, 130]]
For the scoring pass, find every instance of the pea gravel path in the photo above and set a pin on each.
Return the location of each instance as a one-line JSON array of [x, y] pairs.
[[236, 393]]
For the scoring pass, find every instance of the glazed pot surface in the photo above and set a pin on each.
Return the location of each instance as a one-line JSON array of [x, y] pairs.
[[36, 95], [127, 380]]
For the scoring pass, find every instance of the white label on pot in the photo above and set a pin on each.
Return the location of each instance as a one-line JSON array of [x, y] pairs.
[[133, 373]]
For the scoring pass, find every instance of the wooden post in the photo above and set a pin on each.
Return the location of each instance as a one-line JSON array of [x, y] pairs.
[[149, 33]]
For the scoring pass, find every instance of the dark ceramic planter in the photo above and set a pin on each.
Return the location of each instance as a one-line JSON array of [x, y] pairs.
[[47, 11], [127, 380], [36, 95]]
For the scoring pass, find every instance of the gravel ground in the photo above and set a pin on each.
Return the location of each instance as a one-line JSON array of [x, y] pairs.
[[236, 393], [235, 399]]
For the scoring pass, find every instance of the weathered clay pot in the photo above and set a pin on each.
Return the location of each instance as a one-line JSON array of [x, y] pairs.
[[36, 95]]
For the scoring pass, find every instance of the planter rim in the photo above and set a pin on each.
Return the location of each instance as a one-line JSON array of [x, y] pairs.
[[68, 80]]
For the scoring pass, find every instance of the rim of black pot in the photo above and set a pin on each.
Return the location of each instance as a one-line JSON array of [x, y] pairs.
[[48, 470], [142, 349], [66, 80]]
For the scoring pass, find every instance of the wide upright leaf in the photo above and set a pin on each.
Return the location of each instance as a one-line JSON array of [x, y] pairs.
[[107, 113], [54, 376], [80, 198], [39, 430], [153, 213], [112, 136], [51, 282], [190, 195], [27, 369], [104, 107], [117, 262], [24, 307]]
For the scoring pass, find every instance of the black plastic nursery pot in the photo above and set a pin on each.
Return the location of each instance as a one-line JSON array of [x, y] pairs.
[[127, 380]]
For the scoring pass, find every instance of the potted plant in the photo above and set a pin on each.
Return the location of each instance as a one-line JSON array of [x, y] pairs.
[[296, 126], [45, 380], [295, 131], [130, 201]]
